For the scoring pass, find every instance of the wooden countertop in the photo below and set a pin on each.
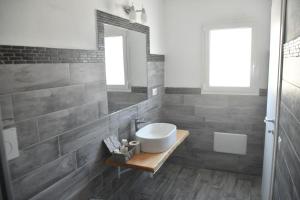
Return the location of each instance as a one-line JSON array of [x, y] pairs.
[[151, 162]]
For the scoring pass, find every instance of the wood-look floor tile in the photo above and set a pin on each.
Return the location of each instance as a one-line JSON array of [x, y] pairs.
[[177, 182]]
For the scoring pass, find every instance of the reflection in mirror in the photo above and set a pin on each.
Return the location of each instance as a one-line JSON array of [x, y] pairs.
[[126, 67]]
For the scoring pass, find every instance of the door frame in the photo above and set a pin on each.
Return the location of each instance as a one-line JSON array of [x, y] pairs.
[[278, 97]]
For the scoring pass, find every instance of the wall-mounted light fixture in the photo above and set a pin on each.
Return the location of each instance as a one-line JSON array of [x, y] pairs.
[[132, 12]]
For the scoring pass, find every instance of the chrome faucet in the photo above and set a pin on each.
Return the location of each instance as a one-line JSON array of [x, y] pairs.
[[137, 122]]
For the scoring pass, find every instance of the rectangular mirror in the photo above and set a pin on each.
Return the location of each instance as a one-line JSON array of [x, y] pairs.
[[125, 66]]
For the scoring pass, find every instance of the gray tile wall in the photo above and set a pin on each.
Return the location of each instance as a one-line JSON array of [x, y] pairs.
[[61, 121], [119, 100], [292, 20], [287, 173], [119, 123], [205, 114], [57, 99]]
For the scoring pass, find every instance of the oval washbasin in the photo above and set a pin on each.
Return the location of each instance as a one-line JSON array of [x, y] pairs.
[[156, 137]]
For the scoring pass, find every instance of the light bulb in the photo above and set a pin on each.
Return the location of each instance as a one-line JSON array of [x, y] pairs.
[[132, 15], [143, 16]]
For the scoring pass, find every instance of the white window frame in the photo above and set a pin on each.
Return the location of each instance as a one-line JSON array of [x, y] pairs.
[[121, 32], [206, 88]]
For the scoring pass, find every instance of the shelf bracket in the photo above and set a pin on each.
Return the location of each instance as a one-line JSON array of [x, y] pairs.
[[121, 171]]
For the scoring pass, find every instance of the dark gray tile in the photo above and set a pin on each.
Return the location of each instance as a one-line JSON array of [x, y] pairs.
[[150, 104], [42, 178], [188, 161], [251, 164], [156, 58], [237, 127], [179, 110], [291, 98], [74, 185], [217, 100], [126, 97], [96, 92], [32, 76], [231, 114], [287, 172], [138, 89], [77, 138], [173, 99], [259, 102], [217, 161], [179, 90], [34, 157], [39, 102], [291, 158], [64, 188], [207, 100], [96, 168], [200, 139], [151, 116], [119, 100], [296, 193], [6, 110], [27, 133], [291, 126], [155, 74], [276, 189], [183, 121], [87, 191], [114, 124], [284, 180], [112, 107], [87, 72], [125, 118], [255, 137], [185, 181], [61, 121], [263, 92], [92, 151]]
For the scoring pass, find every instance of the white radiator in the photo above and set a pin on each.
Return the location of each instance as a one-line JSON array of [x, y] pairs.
[[230, 143]]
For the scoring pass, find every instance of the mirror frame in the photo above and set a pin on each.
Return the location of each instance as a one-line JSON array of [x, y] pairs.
[[106, 18], [103, 19]]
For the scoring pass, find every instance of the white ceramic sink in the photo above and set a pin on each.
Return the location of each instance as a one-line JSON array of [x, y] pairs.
[[156, 137]]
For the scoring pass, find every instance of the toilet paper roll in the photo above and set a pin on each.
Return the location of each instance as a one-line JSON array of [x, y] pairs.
[[137, 146]]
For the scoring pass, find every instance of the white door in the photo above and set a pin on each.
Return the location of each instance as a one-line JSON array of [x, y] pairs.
[[273, 101]]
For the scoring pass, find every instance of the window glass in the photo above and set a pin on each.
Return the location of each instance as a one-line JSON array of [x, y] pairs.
[[114, 60], [230, 57]]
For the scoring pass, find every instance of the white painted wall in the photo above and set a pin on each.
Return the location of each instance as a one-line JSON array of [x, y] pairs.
[[68, 23], [185, 21]]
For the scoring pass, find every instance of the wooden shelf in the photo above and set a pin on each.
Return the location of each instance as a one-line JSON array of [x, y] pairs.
[[151, 162]]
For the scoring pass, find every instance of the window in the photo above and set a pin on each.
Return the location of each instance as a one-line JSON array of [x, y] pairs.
[[115, 61], [230, 59]]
